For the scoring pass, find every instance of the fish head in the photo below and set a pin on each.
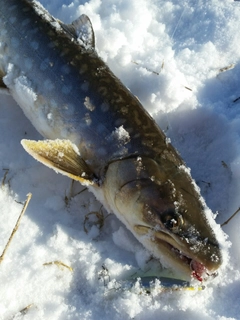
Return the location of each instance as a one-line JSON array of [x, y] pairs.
[[161, 204]]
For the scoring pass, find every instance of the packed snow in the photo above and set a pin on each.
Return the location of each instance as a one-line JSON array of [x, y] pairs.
[[69, 258]]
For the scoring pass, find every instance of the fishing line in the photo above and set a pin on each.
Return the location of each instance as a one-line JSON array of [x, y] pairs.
[[174, 31]]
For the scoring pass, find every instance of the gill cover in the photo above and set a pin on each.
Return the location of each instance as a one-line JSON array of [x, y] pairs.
[[164, 211]]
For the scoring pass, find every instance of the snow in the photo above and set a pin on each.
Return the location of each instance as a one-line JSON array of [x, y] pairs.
[[181, 59]]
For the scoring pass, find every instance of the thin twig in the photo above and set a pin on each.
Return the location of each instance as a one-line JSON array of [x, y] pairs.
[[233, 215], [149, 70], [59, 264], [25, 310], [22, 312], [231, 66], [100, 216], [235, 100], [29, 196], [188, 88]]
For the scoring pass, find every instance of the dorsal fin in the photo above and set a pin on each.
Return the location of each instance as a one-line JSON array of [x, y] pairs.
[[81, 29]]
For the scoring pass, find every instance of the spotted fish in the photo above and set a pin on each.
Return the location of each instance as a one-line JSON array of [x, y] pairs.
[[97, 132]]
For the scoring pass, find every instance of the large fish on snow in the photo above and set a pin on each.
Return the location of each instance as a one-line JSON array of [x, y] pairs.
[[99, 134]]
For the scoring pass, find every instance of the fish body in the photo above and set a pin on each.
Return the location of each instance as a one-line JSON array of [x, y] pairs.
[[98, 133]]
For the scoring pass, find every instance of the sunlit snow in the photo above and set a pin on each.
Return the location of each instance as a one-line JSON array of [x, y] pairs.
[[181, 59]]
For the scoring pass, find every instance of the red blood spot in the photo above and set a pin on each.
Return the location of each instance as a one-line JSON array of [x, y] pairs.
[[197, 276], [198, 270]]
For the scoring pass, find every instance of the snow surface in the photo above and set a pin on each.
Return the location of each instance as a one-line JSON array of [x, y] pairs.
[[182, 61]]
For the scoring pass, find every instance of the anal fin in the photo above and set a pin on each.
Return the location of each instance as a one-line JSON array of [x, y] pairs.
[[62, 156]]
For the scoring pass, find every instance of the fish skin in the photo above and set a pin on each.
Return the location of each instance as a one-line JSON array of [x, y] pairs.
[[104, 94], [72, 95]]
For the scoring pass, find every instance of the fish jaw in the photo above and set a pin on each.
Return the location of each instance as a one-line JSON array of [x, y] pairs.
[[161, 216], [179, 256]]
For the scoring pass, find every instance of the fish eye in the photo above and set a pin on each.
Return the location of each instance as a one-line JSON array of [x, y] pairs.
[[171, 220]]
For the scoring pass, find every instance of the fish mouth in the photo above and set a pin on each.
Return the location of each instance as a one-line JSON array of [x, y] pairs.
[[197, 269], [171, 249]]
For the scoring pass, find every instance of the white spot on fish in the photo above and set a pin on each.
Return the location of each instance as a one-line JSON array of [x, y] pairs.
[[48, 84], [25, 9], [35, 30], [104, 107], [100, 128], [44, 65], [53, 103], [51, 44], [65, 69], [25, 22], [3, 47], [88, 119], [66, 89], [49, 116], [85, 86], [137, 135], [83, 69], [12, 7], [3, 32], [15, 42], [88, 104], [119, 122], [124, 110], [28, 63], [34, 45], [12, 19]]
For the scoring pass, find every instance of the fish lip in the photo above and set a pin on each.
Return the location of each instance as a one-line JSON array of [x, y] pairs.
[[197, 268]]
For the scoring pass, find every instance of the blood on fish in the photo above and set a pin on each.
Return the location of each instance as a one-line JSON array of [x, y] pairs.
[[198, 270]]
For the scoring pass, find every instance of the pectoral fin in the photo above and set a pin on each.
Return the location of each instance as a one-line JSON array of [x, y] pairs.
[[62, 156]]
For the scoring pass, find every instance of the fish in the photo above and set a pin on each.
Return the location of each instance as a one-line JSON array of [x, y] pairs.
[[96, 131]]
